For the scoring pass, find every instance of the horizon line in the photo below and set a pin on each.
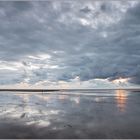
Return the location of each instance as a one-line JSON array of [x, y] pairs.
[[53, 90]]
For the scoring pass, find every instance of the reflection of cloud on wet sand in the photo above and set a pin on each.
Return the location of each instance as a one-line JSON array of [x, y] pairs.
[[71, 116], [44, 97], [29, 108], [63, 97], [75, 99], [121, 98]]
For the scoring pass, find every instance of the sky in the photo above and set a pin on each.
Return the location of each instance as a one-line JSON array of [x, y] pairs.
[[69, 44]]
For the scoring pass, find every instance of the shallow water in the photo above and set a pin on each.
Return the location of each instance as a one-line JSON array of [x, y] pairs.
[[70, 114]]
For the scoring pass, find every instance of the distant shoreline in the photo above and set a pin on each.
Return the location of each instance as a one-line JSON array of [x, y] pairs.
[[53, 90], [30, 90]]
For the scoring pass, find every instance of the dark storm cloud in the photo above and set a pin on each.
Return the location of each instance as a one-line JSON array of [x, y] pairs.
[[85, 10], [89, 40]]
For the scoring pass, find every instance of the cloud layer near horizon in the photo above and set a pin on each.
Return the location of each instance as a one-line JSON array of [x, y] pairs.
[[55, 41]]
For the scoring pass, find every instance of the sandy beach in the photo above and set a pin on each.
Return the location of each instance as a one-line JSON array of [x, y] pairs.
[[87, 114]]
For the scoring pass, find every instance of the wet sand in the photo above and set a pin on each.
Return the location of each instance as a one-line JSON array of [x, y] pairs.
[[75, 114]]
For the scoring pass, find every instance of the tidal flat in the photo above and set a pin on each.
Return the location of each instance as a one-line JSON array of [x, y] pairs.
[[70, 114]]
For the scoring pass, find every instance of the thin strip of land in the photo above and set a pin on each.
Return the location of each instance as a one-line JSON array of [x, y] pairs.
[[31, 90], [54, 90]]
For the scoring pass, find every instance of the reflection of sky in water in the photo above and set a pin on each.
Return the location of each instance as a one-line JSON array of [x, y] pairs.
[[39, 103], [121, 98], [61, 111]]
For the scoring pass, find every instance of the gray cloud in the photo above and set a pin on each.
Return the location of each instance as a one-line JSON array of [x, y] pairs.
[[62, 40]]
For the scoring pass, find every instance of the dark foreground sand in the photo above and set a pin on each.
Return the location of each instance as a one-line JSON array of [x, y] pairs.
[[100, 114]]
